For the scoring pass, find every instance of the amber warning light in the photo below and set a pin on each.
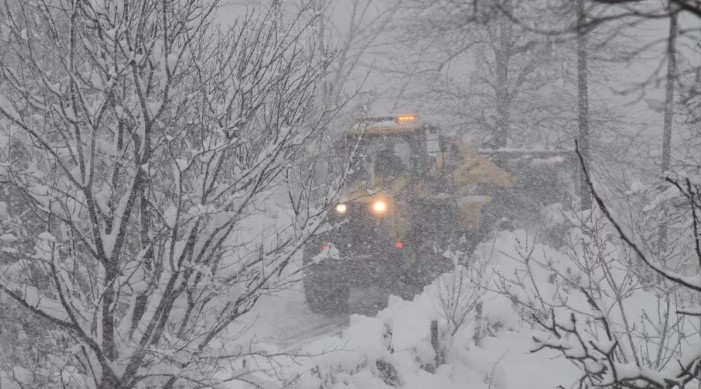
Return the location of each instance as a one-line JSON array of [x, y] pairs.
[[410, 118]]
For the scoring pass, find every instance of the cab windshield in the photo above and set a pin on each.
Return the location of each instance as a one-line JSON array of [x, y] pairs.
[[385, 155]]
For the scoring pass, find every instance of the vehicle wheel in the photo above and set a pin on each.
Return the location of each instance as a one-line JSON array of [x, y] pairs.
[[427, 270], [410, 284], [326, 293]]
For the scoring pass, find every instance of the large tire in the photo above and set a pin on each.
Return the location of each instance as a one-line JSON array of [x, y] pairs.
[[326, 292]]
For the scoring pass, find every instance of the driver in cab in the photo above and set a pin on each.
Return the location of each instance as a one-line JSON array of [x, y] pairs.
[[388, 165]]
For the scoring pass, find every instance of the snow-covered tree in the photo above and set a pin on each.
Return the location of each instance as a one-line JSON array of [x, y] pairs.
[[487, 76], [158, 149], [348, 30], [621, 310]]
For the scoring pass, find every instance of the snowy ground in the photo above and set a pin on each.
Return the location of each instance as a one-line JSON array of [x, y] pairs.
[[392, 348], [286, 321]]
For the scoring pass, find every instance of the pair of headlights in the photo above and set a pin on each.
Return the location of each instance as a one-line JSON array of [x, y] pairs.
[[378, 208]]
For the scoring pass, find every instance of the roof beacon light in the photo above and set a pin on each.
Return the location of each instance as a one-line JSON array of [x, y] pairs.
[[408, 118]]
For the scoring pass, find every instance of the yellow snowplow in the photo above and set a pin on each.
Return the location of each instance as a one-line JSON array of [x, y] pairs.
[[411, 194]]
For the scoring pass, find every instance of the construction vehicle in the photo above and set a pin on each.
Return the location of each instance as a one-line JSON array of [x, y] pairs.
[[414, 201]]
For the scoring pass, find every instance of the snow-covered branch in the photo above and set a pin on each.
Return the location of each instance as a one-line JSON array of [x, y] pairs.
[[159, 168]]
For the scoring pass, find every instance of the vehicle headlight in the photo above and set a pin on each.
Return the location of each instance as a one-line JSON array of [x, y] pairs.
[[379, 207], [341, 209]]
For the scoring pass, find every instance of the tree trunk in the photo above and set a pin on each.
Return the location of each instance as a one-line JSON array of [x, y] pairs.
[[107, 319], [320, 25], [503, 98], [669, 92], [583, 102], [668, 114], [110, 382]]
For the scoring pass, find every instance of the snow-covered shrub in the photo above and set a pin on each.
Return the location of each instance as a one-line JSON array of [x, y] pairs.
[[457, 294], [399, 336], [596, 303], [554, 224]]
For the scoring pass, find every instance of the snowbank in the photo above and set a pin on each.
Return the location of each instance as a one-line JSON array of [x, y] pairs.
[[491, 349], [394, 349]]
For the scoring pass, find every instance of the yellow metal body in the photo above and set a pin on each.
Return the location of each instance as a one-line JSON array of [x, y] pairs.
[[459, 166]]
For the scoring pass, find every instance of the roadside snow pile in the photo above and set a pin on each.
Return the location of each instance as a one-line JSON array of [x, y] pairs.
[[597, 304], [514, 296], [607, 315], [482, 342]]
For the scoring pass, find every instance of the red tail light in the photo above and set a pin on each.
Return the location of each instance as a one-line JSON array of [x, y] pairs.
[[399, 245], [325, 248]]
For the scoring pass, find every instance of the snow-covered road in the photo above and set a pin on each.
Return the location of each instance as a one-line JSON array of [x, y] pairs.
[[286, 320]]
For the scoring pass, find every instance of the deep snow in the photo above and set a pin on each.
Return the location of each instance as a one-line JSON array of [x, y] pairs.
[[393, 347]]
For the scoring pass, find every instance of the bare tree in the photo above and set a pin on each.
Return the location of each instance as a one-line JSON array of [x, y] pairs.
[[482, 71], [458, 293], [367, 22], [624, 317], [348, 31], [637, 8], [593, 320], [158, 146]]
